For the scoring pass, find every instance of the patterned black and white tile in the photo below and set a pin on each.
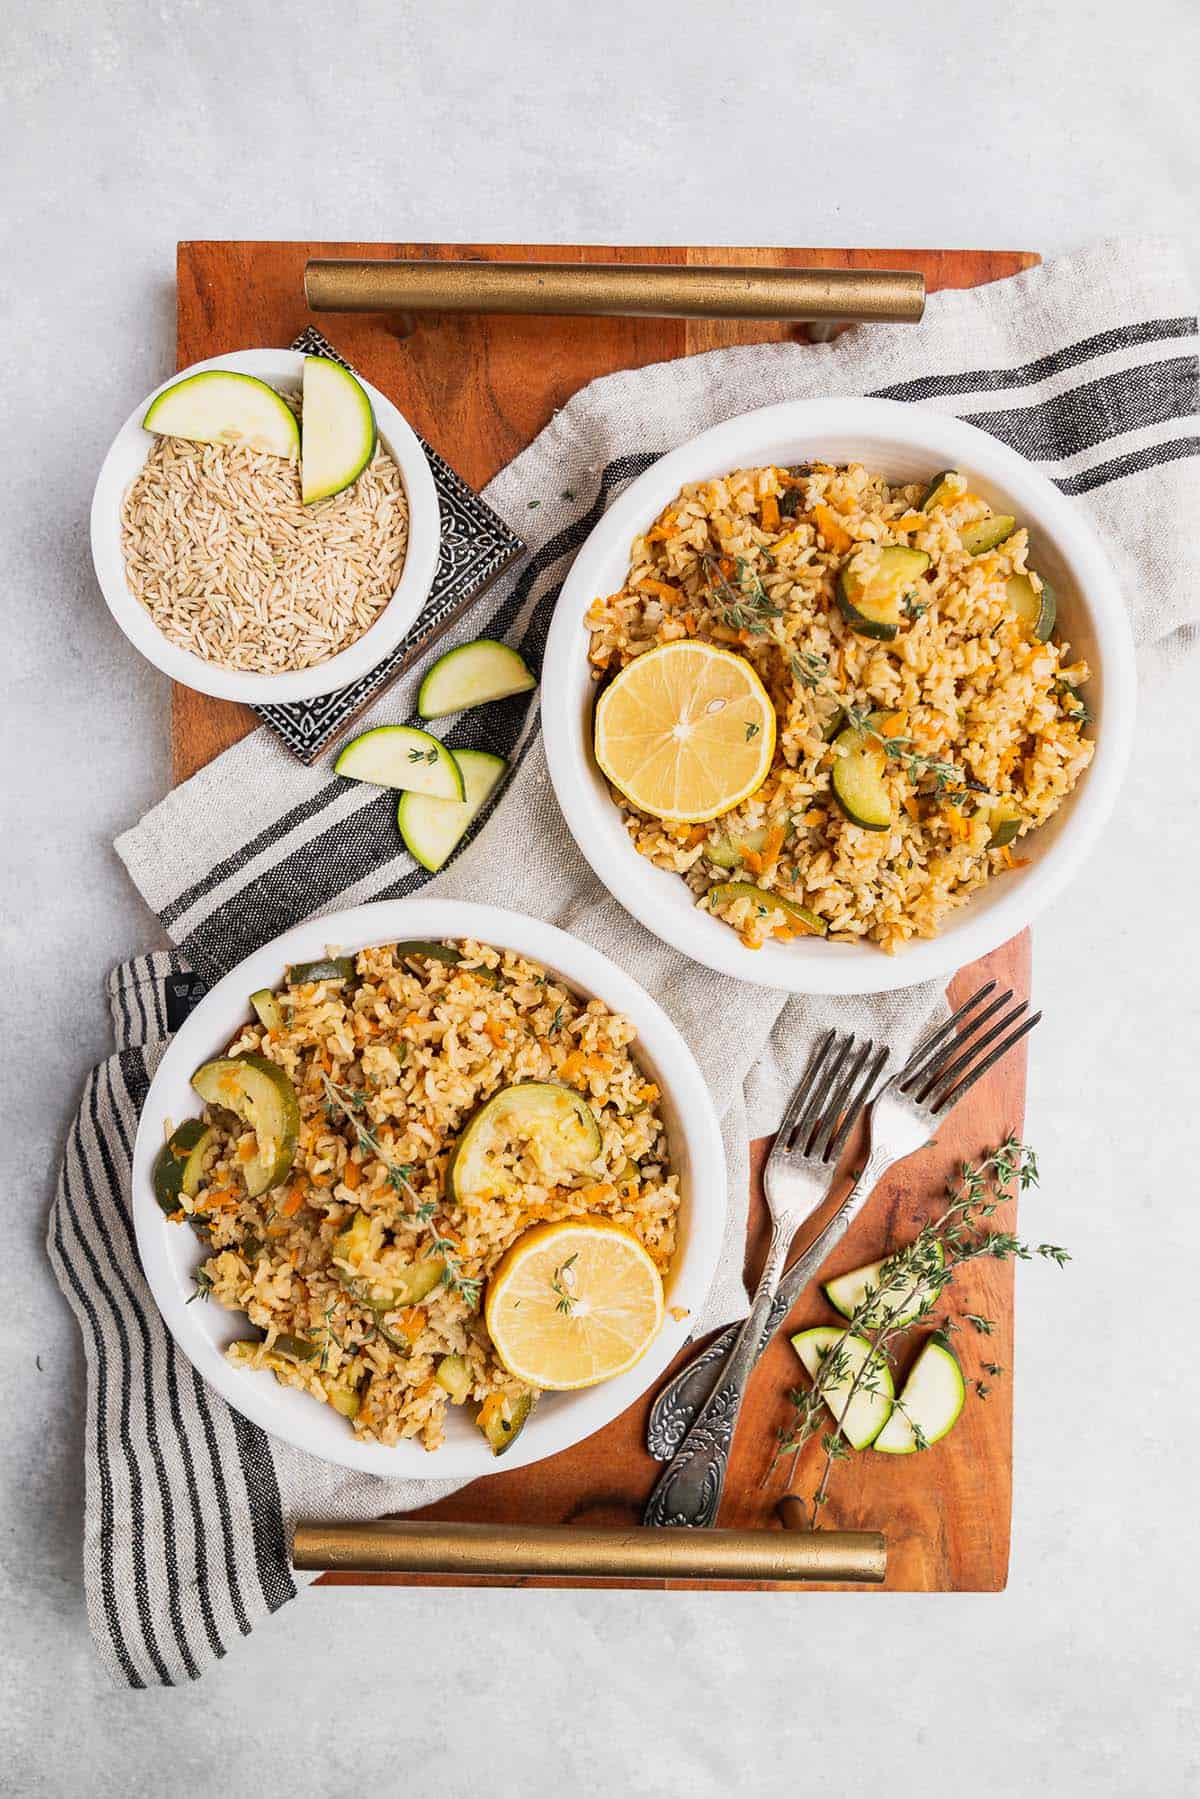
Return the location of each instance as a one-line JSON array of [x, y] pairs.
[[476, 546]]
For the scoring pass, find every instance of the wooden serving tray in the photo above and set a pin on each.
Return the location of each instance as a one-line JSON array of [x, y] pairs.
[[479, 388]]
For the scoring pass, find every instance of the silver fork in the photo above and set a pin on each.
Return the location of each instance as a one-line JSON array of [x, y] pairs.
[[692, 1421]]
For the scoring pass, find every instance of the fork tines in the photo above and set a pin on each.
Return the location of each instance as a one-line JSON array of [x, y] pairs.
[[945, 1067], [835, 1088]]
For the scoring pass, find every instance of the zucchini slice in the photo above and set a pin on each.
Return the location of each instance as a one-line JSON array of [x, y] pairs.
[[800, 919], [501, 1418], [328, 968], [730, 851], [833, 723], [338, 429], [874, 585], [846, 1292], [1079, 711], [430, 952], [221, 406], [296, 1349], [262, 1096], [1005, 820], [179, 1165], [345, 1400], [1036, 607], [400, 756], [859, 778], [941, 490], [868, 1411], [404, 1284], [453, 1374], [433, 829], [931, 1400], [987, 533], [554, 1123], [267, 1009], [474, 674]]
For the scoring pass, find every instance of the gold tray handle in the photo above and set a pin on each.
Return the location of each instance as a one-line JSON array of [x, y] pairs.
[[419, 1546], [615, 290]]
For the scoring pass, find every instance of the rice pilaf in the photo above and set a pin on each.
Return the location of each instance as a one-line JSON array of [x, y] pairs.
[[971, 716], [388, 1067]]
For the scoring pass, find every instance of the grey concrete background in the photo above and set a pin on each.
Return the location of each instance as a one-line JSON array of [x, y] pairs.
[[128, 126]]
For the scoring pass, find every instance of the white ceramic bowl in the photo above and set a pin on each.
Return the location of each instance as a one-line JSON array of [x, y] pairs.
[[171, 1252], [282, 369], [904, 443]]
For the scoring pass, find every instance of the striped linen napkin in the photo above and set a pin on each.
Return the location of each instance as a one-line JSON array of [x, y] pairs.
[[1087, 365]]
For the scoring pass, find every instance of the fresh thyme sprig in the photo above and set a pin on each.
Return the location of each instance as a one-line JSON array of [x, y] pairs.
[[910, 1285], [812, 671], [749, 606], [562, 1283], [903, 749], [350, 1103], [203, 1284]]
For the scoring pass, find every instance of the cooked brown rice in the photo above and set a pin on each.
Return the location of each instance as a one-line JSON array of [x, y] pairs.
[[984, 714], [398, 1062], [231, 565]]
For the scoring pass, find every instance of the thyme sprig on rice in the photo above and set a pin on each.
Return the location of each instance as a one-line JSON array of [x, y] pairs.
[[915, 763], [748, 607], [350, 1103], [812, 672]]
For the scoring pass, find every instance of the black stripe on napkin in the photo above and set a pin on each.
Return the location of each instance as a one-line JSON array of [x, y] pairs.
[[141, 1589], [67, 1263], [136, 1311], [1081, 417], [224, 1511], [1103, 343], [271, 1552], [1153, 456]]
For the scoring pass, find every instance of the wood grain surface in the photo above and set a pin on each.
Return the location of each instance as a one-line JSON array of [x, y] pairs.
[[479, 388]]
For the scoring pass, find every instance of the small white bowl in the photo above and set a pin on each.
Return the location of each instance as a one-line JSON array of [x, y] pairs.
[[171, 1252], [903, 443], [283, 369]]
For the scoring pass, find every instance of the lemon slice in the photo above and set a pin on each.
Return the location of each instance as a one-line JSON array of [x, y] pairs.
[[573, 1303], [686, 731]]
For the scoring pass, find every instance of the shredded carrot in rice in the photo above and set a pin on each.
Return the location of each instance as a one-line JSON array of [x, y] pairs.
[[662, 588], [834, 533]]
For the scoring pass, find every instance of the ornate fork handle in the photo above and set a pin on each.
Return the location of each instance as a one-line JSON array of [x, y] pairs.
[[689, 1490], [675, 1409]]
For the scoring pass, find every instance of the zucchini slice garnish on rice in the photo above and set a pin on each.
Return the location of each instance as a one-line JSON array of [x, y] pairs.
[[859, 777], [941, 489], [327, 968], [502, 1417], [179, 1166], [404, 1284], [1005, 820], [1036, 607], [875, 585], [987, 533], [801, 921], [262, 1096], [554, 1123]]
